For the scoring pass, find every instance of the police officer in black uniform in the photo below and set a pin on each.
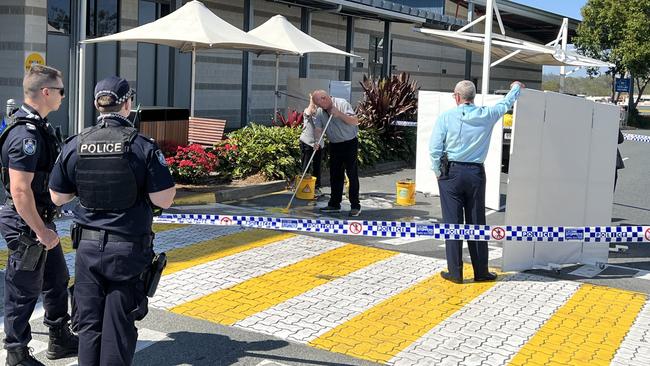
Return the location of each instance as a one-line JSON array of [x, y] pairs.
[[118, 174], [36, 263]]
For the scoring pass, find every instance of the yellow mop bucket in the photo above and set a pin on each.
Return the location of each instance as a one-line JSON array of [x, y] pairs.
[[305, 190], [405, 192]]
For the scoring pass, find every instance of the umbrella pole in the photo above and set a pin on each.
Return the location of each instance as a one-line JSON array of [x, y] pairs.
[[277, 92], [192, 95]]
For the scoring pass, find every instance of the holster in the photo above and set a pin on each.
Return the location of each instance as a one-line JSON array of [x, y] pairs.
[[31, 252], [75, 235], [444, 166], [152, 275]]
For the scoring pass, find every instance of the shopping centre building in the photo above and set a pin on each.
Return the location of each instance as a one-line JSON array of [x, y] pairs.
[[238, 86]]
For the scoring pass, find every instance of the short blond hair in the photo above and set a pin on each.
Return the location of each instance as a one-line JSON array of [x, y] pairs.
[[38, 77], [105, 104]]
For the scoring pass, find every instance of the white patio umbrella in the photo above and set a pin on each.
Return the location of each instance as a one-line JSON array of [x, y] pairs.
[[190, 28], [282, 34]]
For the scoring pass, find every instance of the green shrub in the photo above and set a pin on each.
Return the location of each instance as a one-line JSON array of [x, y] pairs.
[[273, 152], [384, 102], [371, 148]]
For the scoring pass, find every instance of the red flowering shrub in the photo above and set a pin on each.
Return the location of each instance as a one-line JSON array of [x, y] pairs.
[[192, 163], [168, 148], [227, 152]]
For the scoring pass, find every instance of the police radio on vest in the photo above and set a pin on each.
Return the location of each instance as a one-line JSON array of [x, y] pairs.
[[101, 147]]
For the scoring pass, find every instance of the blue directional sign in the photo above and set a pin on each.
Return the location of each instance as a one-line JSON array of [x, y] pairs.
[[623, 85]]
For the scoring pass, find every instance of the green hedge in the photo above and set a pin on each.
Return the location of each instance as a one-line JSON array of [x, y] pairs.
[[273, 152]]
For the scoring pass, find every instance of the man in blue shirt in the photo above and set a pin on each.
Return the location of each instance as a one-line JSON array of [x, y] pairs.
[[462, 135], [117, 174]]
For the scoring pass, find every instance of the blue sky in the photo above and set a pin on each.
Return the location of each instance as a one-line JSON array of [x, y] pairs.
[[570, 8]]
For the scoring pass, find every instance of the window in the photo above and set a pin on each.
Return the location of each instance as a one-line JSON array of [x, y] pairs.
[[103, 18], [58, 16]]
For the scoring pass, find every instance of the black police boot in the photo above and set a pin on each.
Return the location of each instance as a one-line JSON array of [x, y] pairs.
[[63, 343], [21, 357]]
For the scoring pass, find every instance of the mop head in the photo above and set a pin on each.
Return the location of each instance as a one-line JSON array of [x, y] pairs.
[[282, 210]]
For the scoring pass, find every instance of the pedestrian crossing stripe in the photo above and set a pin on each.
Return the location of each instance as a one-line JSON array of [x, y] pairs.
[[209, 250], [401, 328], [588, 329], [257, 294], [393, 308], [381, 332]]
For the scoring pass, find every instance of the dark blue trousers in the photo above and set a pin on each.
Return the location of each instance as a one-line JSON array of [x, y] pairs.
[[462, 197], [109, 295], [22, 288]]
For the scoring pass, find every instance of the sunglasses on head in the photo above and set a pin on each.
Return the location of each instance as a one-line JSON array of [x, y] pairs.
[[61, 89]]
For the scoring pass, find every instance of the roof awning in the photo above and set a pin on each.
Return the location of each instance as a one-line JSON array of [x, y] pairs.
[[524, 51]]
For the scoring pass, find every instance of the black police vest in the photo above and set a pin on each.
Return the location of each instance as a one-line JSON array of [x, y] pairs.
[[41, 176], [105, 179]]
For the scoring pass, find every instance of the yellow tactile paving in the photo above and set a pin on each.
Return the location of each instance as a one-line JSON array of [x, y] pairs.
[[587, 330], [243, 300], [209, 250], [157, 228], [386, 329], [66, 242]]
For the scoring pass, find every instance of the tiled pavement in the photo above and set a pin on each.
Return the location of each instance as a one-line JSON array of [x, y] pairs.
[[391, 307]]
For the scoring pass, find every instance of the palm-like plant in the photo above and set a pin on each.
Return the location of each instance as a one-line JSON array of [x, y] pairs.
[[386, 101]]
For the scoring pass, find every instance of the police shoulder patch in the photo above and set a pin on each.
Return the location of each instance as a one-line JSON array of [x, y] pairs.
[[161, 157], [29, 146]]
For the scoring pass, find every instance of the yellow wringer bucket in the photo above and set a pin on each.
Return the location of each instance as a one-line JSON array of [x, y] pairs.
[[405, 192], [305, 190]]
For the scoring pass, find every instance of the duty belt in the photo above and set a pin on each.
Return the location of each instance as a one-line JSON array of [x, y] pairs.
[[47, 214], [84, 233]]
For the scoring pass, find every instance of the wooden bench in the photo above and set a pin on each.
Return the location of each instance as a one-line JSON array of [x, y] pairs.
[[205, 131]]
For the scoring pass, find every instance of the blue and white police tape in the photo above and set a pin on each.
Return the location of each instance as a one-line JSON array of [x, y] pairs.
[[405, 123], [637, 138], [396, 229]]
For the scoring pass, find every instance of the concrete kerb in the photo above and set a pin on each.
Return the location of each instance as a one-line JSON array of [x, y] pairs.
[[234, 193]]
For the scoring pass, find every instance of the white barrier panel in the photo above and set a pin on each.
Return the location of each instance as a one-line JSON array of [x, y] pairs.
[[561, 173], [430, 105]]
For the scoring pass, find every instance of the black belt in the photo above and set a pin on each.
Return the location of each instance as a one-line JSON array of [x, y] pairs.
[[47, 213], [465, 163], [92, 234]]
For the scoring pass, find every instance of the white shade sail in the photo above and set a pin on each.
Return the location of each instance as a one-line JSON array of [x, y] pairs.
[[192, 27], [502, 46], [282, 34]]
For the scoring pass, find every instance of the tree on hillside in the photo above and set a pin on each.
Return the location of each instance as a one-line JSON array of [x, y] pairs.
[[618, 32]]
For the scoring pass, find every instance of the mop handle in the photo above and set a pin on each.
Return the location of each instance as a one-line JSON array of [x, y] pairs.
[[320, 139]]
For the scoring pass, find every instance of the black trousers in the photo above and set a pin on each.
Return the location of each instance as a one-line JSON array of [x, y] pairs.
[[306, 151], [462, 197], [343, 160], [22, 288], [109, 295]]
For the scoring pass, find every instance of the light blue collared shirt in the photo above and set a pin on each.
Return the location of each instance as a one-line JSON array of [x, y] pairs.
[[464, 132]]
